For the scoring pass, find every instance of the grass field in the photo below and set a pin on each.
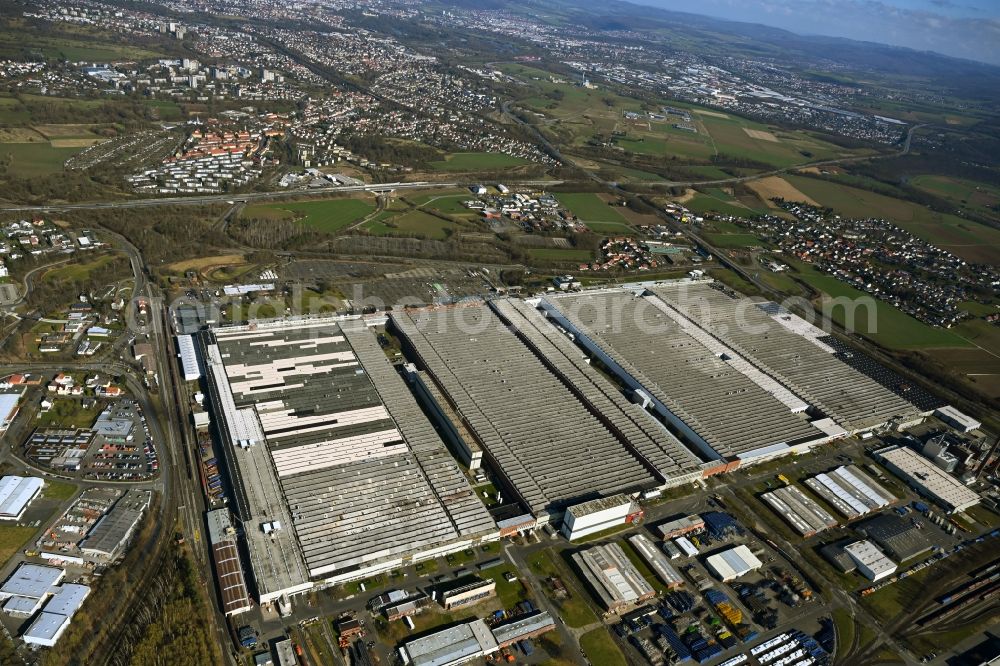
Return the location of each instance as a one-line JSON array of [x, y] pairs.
[[590, 208], [413, 223], [328, 215], [969, 240], [77, 271], [557, 254], [28, 160], [723, 205], [889, 327], [477, 162], [574, 609], [73, 50], [58, 490], [448, 204], [13, 539], [733, 241], [601, 649], [68, 413], [979, 197]]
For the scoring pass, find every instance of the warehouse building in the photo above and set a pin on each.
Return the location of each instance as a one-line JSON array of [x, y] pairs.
[[455, 645], [800, 511], [782, 346], [9, 407], [721, 404], [24, 592], [901, 539], [927, 479], [529, 400], [681, 526], [190, 362], [733, 563], [657, 561], [16, 493], [958, 420], [337, 473], [597, 515], [872, 563], [850, 491], [55, 618], [612, 576], [108, 539], [226, 558]]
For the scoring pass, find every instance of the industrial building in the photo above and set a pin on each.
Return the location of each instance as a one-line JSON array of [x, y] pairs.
[[958, 420], [466, 591], [900, 538], [337, 473], [612, 576], [789, 350], [681, 526], [732, 563], [872, 563], [24, 592], [927, 479], [850, 491], [50, 624], [8, 409], [226, 558], [190, 362], [108, 538], [657, 561], [597, 515], [455, 645], [16, 493], [719, 402], [800, 511], [537, 409], [472, 639], [523, 627]]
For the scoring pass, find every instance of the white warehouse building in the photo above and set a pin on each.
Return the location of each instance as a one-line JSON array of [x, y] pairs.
[[189, 358], [594, 516], [872, 563], [16, 493]]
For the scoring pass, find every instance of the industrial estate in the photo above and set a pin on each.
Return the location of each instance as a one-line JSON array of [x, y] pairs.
[[430, 333]]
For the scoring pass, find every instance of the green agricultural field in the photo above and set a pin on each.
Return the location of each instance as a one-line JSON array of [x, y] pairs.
[[77, 271], [979, 197], [600, 648], [613, 228], [705, 203], [967, 239], [29, 160], [591, 208], [558, 254], [327, 215], [73, 50], [890, 327], [782, 148], [477, 162]]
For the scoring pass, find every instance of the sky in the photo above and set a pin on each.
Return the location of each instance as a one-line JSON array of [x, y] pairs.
[[961, 28]]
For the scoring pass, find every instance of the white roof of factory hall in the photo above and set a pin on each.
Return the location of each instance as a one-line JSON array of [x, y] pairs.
[[15, 494], [733, 406], [733, 563], [598, 505], [452, 645], [867, 554], [657, 560], [545, 440], [337, 467], [189, 357], [31, 580], [46, 628], [755, 331], [67, 599], [941, 485], [8, 403], [612, 575]]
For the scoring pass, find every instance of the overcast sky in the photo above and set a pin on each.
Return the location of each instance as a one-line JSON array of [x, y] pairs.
[[962, 28]]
